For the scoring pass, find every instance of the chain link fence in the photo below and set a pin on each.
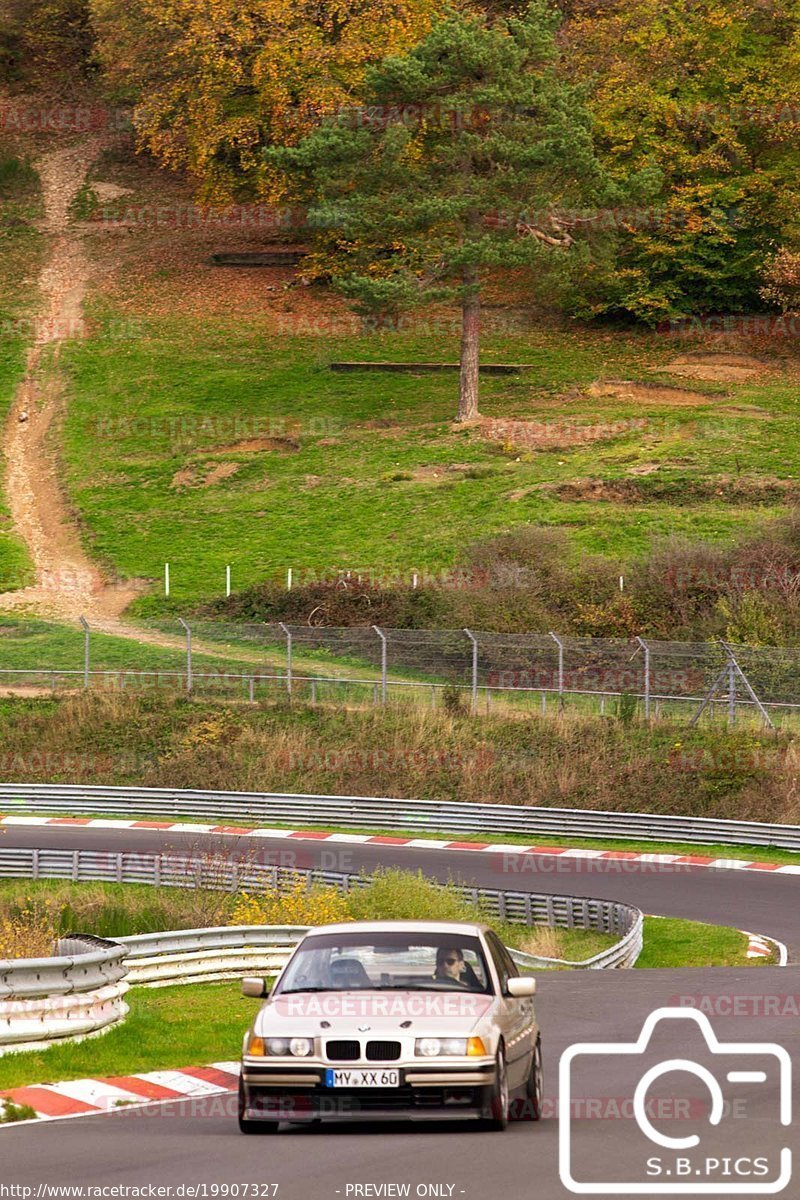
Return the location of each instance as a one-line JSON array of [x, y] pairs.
[[475, 669]]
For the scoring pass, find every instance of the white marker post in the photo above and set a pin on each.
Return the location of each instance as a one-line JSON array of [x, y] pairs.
[[227, 581], [166, 579], [289, 580]]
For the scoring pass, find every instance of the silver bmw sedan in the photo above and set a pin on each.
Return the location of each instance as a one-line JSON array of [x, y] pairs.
[[382, 1020]]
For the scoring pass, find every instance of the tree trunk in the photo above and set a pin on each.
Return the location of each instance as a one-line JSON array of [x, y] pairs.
[[470, 347]]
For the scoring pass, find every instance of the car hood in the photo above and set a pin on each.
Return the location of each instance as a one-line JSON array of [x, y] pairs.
[[349, 1014]]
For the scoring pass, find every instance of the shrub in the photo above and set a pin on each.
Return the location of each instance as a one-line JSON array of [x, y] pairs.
[[390, 895], [295, 905], [28, 929], [395, 895], [453, 700]]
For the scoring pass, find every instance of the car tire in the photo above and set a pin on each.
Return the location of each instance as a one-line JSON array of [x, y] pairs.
[[499, 1103], [252, 1127], [529, 1106]]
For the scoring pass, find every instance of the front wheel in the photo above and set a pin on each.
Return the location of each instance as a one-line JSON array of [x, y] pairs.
[[529, 1106], [498, 1100], [245, 1124]]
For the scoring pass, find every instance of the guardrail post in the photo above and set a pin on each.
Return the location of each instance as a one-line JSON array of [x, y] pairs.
[[646, 649], [382, 636], [85, 625], [560, 645], [288, 636], [188, 654], [474, 642]]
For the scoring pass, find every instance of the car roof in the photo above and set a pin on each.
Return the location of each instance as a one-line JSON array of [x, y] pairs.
[[455, 927]]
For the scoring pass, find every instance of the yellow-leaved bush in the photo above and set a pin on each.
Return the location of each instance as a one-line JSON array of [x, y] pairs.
[[28, 929], [295, 905]]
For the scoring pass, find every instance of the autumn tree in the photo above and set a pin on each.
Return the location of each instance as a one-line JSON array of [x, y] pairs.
[[705, 93], [214, 81], [471, 145]]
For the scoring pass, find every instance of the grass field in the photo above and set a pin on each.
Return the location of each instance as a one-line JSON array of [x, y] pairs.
[[365, 470], [157, 1034]]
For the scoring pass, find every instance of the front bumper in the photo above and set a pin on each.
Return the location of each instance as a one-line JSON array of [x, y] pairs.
[[454, 1091]]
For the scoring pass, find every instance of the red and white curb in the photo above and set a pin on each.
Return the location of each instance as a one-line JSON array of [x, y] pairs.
[[89, 1097], [761, 946], [185, 827]]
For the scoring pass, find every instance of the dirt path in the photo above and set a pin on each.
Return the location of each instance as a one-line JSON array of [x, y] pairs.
[[68, 584]]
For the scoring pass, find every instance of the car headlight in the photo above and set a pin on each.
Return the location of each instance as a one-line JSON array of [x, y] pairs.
[[440, 1047], [296, 1047]]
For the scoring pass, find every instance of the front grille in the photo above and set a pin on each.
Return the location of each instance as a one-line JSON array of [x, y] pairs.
[[383, 1051], [343, 1051]]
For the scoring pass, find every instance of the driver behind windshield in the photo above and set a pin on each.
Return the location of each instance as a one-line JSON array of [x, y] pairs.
[[450, 965]]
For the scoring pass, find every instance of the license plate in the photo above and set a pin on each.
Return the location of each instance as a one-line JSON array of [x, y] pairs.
[[358, 1078]]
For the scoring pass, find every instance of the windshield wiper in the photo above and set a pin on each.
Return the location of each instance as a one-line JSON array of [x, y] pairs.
[[297, 991]]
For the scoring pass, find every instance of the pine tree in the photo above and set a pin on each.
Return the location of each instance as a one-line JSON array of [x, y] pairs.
[[469, 150]]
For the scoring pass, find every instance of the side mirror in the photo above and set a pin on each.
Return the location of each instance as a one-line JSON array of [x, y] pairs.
[[521, 985], [255, 987]]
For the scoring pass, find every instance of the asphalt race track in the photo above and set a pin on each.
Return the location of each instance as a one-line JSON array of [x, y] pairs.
[[196, 1143]]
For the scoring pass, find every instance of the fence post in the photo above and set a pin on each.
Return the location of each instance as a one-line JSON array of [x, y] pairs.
[[382, 636], [85, 625], [474, 642], [646, 649], [560, 645], [189, 681], [288, 657], [731, 693], [736, 667]]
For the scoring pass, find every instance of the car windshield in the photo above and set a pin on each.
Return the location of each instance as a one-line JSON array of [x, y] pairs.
[[394, 961]]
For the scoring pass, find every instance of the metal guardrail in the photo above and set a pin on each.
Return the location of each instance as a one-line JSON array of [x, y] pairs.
[[203, 955], [379, 812], [78, 991], [525, 908]]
